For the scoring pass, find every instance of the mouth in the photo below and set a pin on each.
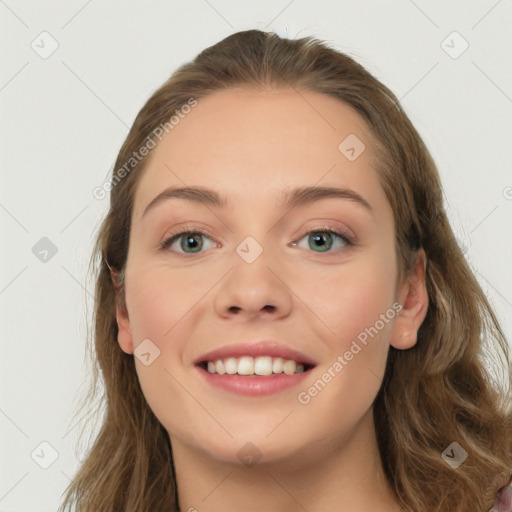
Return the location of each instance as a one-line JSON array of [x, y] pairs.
[[254, 368], [253, 377], [261, 366]]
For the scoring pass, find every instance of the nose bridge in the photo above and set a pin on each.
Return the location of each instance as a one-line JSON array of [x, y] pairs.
[[253, 261], [254, 227], [254, 285], [258, 248]]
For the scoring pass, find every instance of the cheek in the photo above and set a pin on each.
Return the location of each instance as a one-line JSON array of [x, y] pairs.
[[355, 302], [361, 316], [162, 307], [350, 299], [159, 302]]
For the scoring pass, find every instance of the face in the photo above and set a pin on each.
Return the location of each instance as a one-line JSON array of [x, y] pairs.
[[316, 275]]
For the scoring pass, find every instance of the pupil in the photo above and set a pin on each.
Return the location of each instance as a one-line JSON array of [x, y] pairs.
[[190, 239], [322, 235]]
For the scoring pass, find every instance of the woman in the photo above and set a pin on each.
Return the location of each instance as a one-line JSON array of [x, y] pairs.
[[283, 317]]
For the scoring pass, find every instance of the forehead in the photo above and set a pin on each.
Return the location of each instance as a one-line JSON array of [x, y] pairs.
[[251, 145]]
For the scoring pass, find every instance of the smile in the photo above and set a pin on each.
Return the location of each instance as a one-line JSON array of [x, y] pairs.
[[247, 365], [253, 376]]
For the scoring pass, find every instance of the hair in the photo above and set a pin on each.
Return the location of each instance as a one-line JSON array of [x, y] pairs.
[[454, 385]]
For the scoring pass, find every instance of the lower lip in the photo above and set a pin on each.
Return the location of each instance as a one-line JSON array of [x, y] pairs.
[[254, 385]]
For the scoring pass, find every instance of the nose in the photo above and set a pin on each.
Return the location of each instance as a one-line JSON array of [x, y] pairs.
[[254, 290]]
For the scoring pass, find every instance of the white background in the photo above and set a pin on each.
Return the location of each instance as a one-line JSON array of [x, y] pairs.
[[64, 118]]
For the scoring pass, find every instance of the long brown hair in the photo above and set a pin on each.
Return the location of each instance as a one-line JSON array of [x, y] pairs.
[[442, 390]]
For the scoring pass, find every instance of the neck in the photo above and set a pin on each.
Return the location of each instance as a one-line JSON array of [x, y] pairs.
[[342, 472]]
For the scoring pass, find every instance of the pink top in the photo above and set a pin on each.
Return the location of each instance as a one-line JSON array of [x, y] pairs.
[[503, 501]]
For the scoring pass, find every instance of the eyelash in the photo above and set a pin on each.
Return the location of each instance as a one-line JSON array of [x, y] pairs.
[[164, 245]]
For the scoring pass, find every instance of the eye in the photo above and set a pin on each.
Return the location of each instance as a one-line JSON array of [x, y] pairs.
[[191, 241], [323, 239]]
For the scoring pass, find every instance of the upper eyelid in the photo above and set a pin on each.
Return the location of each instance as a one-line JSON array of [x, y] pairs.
[[192, 229]]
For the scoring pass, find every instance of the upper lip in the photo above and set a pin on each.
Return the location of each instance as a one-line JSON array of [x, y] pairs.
[[255, 349]]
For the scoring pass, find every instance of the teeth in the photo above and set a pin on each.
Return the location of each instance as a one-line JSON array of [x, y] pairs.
[[231, 365], [263, 365], [247, 365], [219, 367], [277, 365], [289, 367]]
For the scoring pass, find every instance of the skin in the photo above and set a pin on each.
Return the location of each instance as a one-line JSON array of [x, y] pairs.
[[250, 146]]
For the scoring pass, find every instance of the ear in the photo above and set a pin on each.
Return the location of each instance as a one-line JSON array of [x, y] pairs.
[[413, 296], [124, 334]]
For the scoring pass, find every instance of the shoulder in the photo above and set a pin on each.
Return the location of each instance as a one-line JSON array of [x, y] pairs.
[[503, 501]]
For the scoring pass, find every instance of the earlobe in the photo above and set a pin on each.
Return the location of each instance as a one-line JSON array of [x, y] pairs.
[[414, 299], [124, 335]]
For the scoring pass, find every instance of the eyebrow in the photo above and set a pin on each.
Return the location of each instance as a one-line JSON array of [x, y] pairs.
[[291, 198]]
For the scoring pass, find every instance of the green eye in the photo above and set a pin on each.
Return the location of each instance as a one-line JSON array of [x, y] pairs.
[[320, 240], [324, 239], [192, 241]]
